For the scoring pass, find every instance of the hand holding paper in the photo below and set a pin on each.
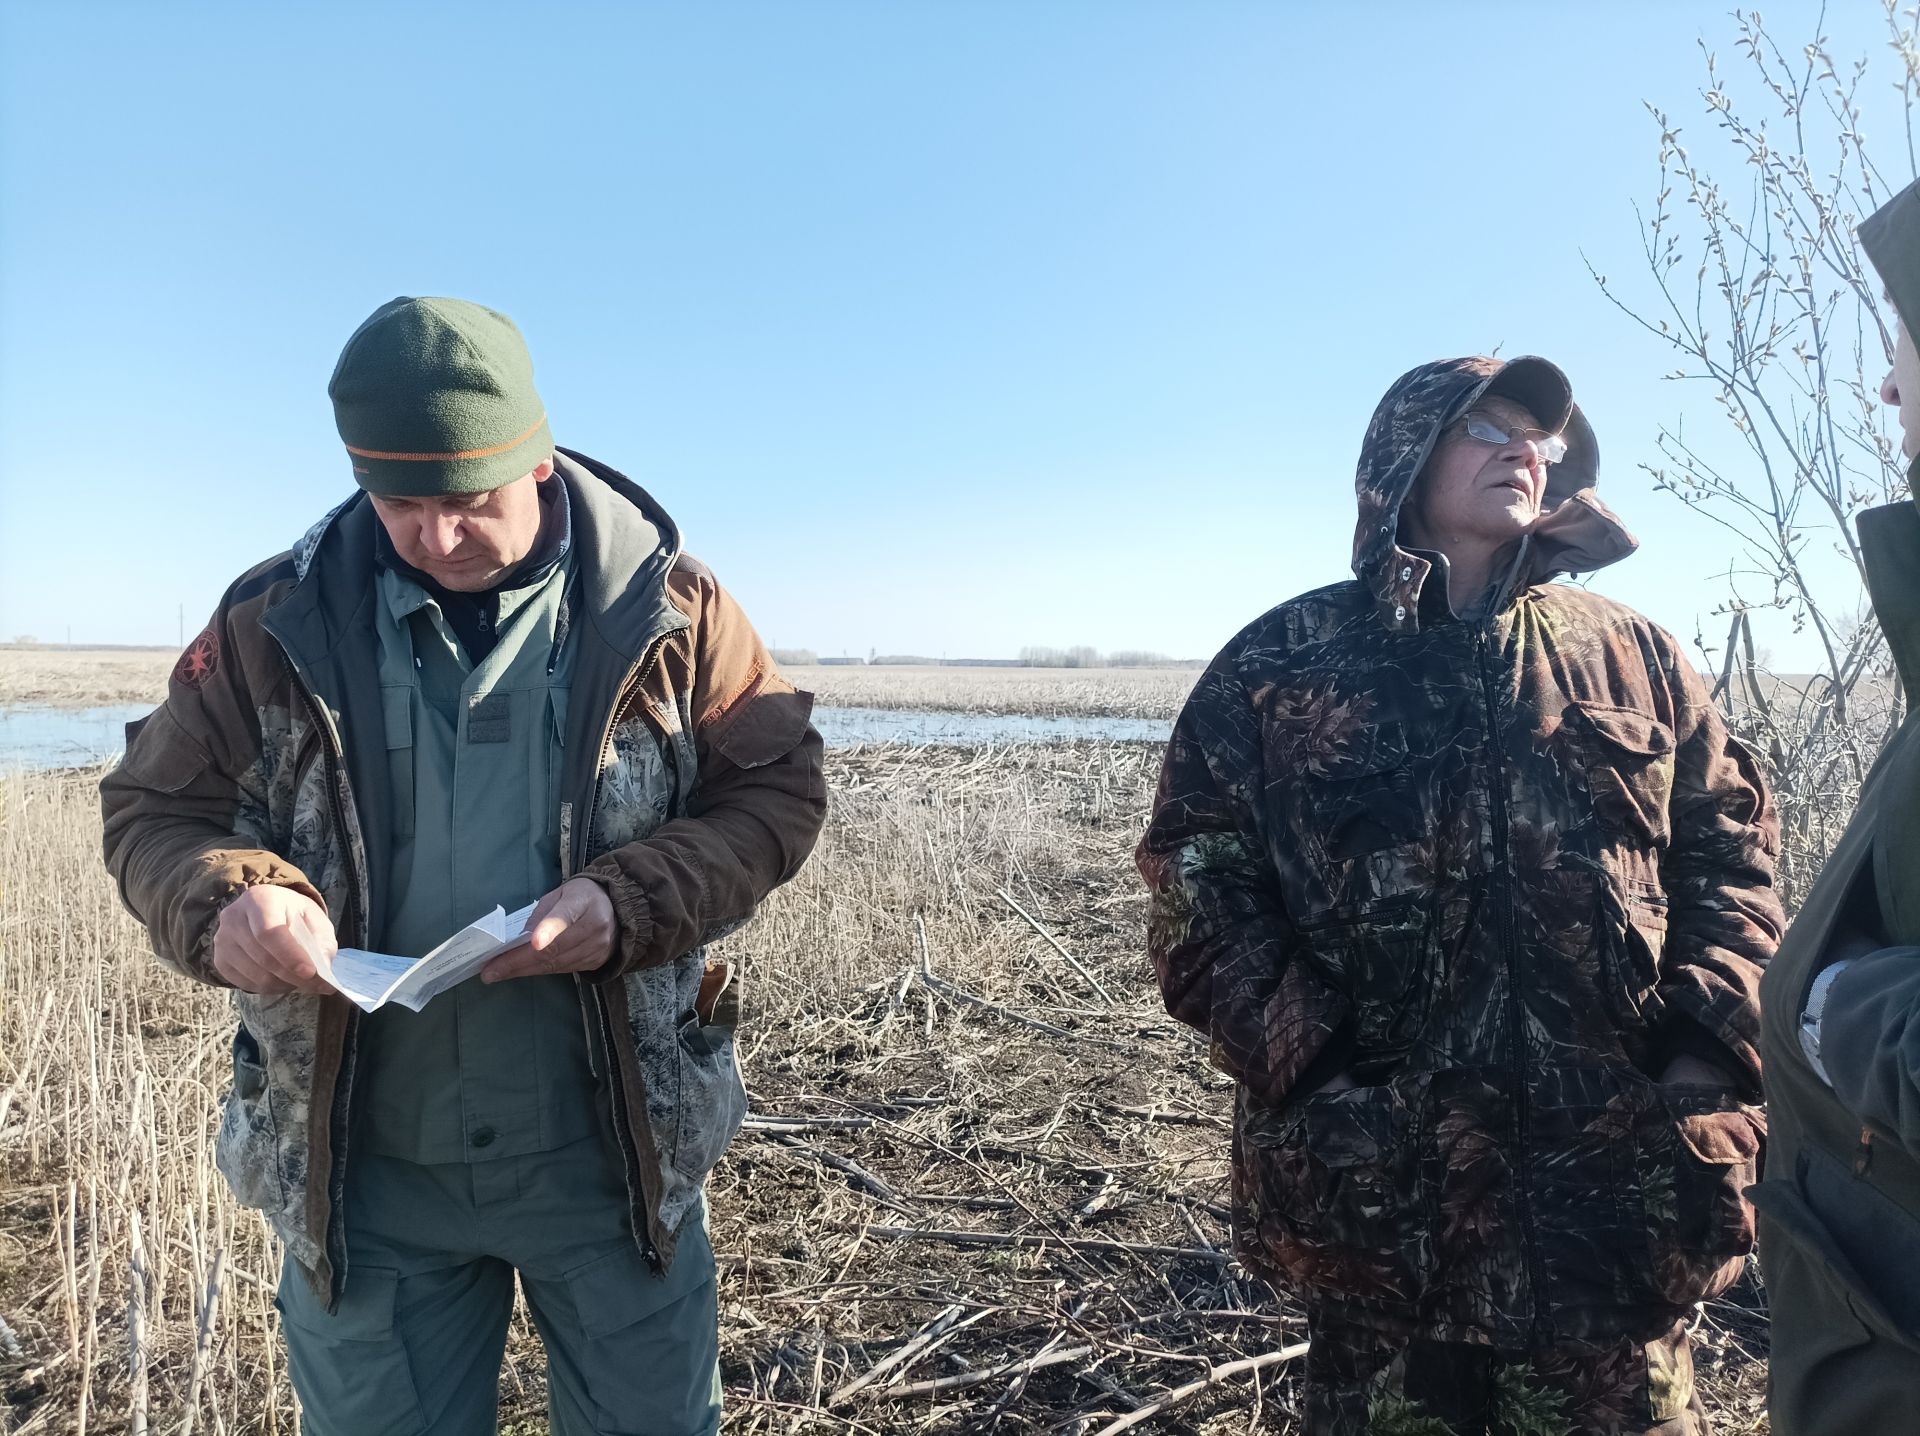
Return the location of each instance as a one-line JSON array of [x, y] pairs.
[[272, 940], [572, 929], [373, 979]]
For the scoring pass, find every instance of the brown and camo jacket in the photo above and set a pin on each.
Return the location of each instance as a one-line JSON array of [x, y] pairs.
[[1499, 871]]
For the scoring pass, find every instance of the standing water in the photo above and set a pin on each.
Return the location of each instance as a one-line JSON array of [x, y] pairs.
[[35, 737]]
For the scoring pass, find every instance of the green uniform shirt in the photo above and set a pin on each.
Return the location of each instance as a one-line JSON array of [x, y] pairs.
[[483, 1072]]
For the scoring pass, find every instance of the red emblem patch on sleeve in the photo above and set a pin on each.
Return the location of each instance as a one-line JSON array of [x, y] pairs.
[[200, 660]]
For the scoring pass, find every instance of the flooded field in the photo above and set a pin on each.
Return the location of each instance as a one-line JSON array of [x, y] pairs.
[[43, 737]]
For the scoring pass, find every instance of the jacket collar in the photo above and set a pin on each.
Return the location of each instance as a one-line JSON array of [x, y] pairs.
[[1890, 546]]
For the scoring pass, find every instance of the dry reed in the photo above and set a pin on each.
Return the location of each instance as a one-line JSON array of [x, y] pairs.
[[83, 677], [1041, 692], [982, 1187]]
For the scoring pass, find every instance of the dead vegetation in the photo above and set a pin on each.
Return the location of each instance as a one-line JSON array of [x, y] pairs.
[[87, 678], [1038, 692], [83, 677], [983, 1186]]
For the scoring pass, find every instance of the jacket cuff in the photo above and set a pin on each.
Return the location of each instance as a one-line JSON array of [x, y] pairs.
[[230, 881], [632, 914]]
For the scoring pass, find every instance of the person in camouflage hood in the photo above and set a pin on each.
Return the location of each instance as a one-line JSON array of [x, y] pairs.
[[1466, 881], [1840, 1207]]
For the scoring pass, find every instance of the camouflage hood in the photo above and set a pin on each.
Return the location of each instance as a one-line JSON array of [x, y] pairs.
[[1576, 532]]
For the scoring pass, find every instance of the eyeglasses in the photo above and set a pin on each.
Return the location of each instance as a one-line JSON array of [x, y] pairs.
[[1488, 430]]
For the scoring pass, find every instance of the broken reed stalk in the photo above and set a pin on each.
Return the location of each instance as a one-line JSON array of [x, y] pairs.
[[137, 1330], [1034, 1241], [961, 1380], [947, 1320], [203, 1339], [1054, 942], [1193, 1388]]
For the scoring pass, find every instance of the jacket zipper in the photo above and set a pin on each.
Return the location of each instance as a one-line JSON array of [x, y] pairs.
[[1516, 1012], [333, 752], [582, 830]]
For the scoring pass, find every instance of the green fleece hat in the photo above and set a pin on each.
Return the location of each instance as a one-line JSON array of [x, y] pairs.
[[436, 396]]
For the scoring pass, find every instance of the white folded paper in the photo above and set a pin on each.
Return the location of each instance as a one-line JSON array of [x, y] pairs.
[[373, 979]]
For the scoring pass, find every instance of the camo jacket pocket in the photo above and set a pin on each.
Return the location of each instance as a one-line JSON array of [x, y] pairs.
[[1362, 800], [1629, 759], [1635, 934], [1331, 1197], [1383, 964], [247, 1150], [713, 1098], [1700, 1149]]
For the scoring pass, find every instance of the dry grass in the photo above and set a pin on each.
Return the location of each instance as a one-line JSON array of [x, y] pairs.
[[884, 1103], [84, 677], [1042, 692]]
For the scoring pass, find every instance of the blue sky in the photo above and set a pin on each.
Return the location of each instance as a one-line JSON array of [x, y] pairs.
[[939, 327]]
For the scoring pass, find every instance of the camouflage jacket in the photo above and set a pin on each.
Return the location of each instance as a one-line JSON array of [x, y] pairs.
[[1500, 871], [692, 785]]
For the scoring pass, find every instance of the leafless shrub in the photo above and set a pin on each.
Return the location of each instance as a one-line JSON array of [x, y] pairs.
[[1761, 291]]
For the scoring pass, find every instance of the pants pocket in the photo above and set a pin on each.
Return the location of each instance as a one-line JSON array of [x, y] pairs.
[[629, 1351], [1333, 1193], [349, 1367]]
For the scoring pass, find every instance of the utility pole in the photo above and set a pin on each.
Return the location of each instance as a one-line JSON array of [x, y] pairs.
[[183, 625]]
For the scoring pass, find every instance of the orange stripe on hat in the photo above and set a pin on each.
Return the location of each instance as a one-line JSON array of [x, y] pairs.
[[513, 443]]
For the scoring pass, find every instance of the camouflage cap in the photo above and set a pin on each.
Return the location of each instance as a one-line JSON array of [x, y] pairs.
[[1537, 383]]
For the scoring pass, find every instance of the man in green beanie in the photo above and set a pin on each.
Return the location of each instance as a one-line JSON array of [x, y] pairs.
[[491, 677], [1840, 1206]]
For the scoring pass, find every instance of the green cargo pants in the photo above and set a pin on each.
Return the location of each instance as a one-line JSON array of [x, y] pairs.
[[415, 1346]]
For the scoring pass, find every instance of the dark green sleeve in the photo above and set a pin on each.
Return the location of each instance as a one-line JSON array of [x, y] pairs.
[[1870, 1041]]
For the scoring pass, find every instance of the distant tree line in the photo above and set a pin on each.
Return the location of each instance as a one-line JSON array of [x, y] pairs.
[[1082, 656], [1030, 657]]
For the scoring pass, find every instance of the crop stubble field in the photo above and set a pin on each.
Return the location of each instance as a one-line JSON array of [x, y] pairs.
[[983, 1186], [88, 677]]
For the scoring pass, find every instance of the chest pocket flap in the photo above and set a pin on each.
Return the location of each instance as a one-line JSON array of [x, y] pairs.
[[1629, 759]]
